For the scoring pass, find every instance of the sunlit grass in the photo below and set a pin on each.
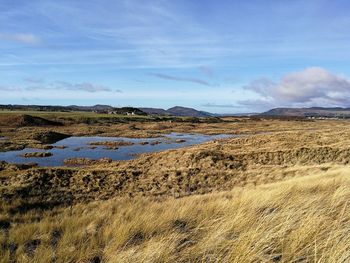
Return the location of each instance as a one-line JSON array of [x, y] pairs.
[[300, 220]]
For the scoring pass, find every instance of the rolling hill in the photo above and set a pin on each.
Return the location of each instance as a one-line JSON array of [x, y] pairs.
[[177, 111], [335, 112]]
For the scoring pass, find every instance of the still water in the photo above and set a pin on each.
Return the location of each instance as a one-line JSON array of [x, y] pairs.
[[80, 147]]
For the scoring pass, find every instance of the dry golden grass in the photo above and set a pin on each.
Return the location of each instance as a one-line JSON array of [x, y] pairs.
[[298, 220], [275, 197]]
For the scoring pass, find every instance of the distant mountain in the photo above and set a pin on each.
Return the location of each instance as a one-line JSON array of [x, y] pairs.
[[155, 111], [183, 111], [317, 112], [177, 111], [97, 107]]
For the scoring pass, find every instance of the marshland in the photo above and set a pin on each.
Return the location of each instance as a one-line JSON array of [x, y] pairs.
[[174, 131], [274, 191]]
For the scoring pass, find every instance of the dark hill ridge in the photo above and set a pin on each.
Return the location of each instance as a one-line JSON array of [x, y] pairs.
[[183, 111], [97, 107], [177, 111], [317, 112], [155, 111]]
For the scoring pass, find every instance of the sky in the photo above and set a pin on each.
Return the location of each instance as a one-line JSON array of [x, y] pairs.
[[223, 56]]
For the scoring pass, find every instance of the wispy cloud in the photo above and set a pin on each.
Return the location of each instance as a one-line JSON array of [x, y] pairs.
[[10, 88], [36, 85], [85, 86], [214, 105], [184, 79], [21, 38], [33, 80]]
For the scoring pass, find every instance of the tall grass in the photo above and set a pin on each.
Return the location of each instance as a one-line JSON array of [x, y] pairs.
[[300, 220]]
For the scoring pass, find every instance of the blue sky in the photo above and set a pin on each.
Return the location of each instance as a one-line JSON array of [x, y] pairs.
[[218, 56]]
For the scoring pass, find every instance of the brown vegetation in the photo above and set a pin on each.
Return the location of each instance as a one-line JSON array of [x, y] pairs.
[[21, 120], [279, 194], [85, 161], [217, 165], [300, 220], [112, 143]]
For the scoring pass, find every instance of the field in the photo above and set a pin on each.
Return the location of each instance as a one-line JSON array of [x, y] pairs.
[[277, 193]]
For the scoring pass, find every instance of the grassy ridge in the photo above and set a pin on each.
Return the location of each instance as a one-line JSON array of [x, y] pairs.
[[76, 115], [300, 220]]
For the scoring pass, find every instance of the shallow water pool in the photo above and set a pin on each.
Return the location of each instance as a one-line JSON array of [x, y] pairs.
[[79, 147]]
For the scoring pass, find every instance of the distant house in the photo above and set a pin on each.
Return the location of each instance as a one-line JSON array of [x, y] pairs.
[[121, 112], [125, 111]]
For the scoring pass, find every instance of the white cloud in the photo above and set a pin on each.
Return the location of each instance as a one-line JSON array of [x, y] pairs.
[[21, 38], [312, 86]]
